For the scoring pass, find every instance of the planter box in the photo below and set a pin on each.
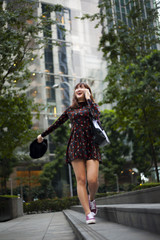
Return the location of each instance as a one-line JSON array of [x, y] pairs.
[[10, 208]]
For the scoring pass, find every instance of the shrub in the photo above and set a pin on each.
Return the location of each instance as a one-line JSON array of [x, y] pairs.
[[9, 196], [146, 185], [50, 205]]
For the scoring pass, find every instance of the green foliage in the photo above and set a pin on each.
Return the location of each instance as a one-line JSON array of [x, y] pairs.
[[15, 119], [43, 191], [126, 41], [114, 155], [50, 205], [50, 170], [60, 139], [133, 80], [146, 185], [20, 28], [19, 37], [137, 101], [8, 196]]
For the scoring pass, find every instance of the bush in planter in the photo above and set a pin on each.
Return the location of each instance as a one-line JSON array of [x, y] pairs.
[[54, 205], [3, 202], [10, 207]]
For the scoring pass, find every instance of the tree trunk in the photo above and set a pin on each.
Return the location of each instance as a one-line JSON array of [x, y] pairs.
[[154, 158], [155, 161], [4, 185], [29, 185]]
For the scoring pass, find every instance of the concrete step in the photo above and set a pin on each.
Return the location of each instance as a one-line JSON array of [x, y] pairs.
[[149, 195], [105, 230], [142, 216]]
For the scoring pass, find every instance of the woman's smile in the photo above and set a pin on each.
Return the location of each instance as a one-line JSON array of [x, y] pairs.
[[79, 93]]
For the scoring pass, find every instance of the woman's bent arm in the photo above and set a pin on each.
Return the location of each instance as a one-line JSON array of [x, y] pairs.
[[93, 109]]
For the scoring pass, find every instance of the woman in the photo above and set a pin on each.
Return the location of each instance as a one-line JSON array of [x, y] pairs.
[[82, 153]]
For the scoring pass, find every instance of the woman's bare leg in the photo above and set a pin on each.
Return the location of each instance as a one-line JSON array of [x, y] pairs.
[[92, 177], [79, 167]]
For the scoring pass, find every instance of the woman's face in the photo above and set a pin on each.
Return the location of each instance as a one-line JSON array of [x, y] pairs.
[[80, 93]]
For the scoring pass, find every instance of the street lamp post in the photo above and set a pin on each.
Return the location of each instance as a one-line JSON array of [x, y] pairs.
[[11, 186], [69, 167], [117, 182]]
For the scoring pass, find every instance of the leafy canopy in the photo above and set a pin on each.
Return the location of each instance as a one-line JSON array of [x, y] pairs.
[[21, 38], [129, 45]]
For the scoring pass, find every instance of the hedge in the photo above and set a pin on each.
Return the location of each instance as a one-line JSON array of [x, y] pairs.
[[55, 205], [9, 196], [146, 185], [50, 205], [59, 204]]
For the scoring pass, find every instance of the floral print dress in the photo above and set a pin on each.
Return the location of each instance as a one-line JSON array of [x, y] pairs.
[[81, 144]]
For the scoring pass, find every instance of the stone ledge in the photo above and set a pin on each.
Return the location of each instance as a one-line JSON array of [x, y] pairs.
[[142, 216], [104, 229], [149, 195]]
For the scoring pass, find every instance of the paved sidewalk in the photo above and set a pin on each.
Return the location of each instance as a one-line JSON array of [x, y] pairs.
[[46, 226]]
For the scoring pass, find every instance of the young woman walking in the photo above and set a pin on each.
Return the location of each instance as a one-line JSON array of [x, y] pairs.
[[82, 153]]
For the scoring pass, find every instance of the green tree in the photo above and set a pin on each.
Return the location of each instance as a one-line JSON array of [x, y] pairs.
[[137, 33], [129, 47], [142, 99], [140, 153], [20, 28], [113, 155], [28, 181], [137, 101], [53, 168], [15, 122]]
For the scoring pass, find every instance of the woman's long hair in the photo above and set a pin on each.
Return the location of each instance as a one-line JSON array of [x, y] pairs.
[[75, 103]]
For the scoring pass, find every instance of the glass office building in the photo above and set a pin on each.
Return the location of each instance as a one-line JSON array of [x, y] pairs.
[[121, 8]]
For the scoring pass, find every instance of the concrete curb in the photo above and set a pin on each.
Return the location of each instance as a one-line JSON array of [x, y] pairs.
[[82, 231]]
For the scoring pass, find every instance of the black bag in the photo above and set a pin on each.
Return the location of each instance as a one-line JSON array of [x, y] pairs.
[[37, 150], [99, 135]]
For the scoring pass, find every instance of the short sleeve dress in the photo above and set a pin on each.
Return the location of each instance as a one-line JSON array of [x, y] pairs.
[[81, 144]]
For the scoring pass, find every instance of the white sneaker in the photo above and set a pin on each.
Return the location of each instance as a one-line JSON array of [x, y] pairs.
[[90, 219], [93, 208]]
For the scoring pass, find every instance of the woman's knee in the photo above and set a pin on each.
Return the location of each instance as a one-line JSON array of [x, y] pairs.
[[93, 181], [81, 181]]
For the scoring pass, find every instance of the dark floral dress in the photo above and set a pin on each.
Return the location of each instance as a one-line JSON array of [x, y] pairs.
[[81, 144]]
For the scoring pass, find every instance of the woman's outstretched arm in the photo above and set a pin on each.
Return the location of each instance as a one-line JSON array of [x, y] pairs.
[[62, 119]]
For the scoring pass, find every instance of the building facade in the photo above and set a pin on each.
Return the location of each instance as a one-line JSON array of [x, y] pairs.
[[121, 8]]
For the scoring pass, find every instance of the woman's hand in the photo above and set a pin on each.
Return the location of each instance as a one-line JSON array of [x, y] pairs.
[[39, 139], [87, 93]]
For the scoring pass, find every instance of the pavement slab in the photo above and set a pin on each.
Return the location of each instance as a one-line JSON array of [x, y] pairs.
[[45, 226]]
